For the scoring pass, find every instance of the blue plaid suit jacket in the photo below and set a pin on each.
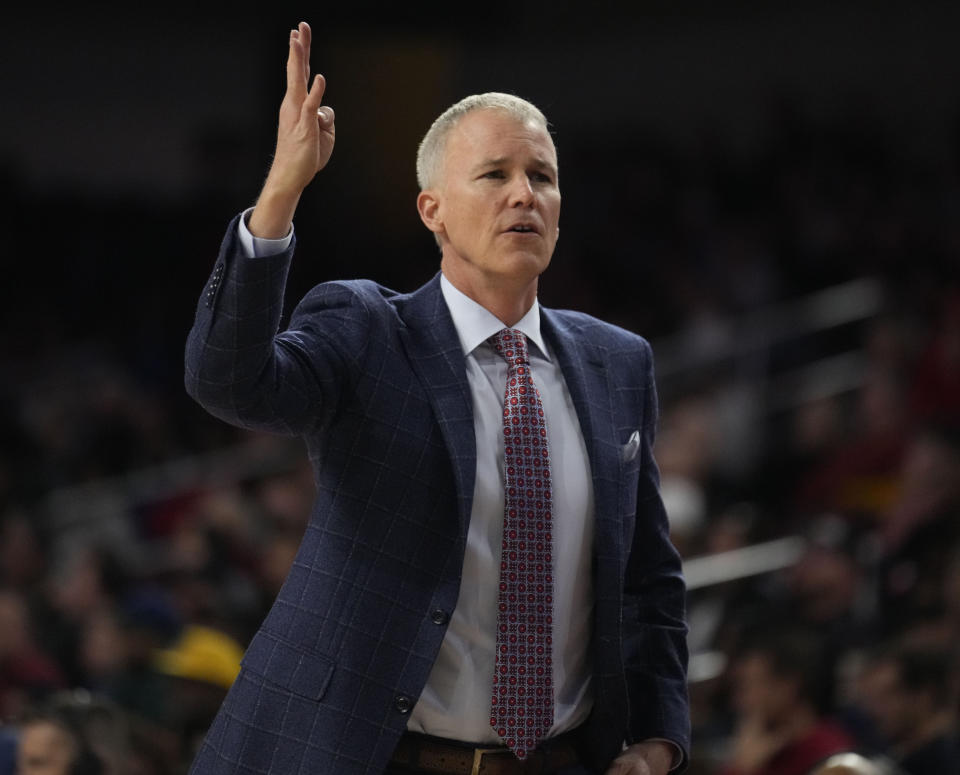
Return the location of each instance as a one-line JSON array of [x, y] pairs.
[[375, 383]]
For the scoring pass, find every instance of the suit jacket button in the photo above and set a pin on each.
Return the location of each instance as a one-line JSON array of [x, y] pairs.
[[439, 616], [402, 703]]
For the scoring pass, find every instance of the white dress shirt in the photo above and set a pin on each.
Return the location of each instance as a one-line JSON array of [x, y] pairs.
[[456, 700]]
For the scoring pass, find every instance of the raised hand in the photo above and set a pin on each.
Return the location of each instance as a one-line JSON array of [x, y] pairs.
[[305, 137]]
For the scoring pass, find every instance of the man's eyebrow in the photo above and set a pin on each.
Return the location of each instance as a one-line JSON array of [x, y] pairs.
[[490, 163]]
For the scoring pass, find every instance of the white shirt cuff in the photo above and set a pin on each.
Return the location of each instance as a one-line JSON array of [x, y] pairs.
[[260, 247]]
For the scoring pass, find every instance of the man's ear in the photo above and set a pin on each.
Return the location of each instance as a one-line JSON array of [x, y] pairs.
[[428, 205]]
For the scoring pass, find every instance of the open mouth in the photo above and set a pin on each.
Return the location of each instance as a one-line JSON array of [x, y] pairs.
[[522, 229]]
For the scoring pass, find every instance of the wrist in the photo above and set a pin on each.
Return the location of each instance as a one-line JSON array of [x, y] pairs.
[[273, 214], [659, 754]]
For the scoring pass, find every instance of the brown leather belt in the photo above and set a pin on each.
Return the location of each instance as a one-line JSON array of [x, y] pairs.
[[423, 753]]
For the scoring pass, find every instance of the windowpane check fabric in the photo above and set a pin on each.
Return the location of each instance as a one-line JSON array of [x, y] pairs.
[[521, 709], [375, 383]]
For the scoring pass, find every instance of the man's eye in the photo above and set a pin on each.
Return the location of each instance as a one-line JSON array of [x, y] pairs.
[[495, 174], [540, 177]]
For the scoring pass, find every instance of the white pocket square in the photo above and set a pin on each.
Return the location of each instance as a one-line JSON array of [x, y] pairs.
[[629, 450]]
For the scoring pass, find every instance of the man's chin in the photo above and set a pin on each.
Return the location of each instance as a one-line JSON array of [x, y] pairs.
[[517, 267], [524, 263]]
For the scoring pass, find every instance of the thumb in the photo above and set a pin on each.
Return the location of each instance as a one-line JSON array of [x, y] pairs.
[[326, 117]]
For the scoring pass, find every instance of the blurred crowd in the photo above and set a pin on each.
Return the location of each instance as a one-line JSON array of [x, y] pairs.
[[141, 542]]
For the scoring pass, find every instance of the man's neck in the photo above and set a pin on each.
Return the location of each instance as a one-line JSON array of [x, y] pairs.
[[507, 301]]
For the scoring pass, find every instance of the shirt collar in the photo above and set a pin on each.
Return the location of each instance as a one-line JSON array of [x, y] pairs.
[[475, 324]]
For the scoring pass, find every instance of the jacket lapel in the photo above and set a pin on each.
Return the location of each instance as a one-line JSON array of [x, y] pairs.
[[432, 345], [587, 376]]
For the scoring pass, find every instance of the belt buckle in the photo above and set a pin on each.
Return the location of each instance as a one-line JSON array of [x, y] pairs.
[[478, 754]]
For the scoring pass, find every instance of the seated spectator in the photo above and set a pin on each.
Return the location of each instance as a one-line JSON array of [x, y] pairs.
[[921, 534], [26, 672], [911, 693], [70, 735], [935, 390], [202, 664], [859, 477], [781, 695]]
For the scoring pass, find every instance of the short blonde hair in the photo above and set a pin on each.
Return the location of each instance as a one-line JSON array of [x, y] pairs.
[[434, 143]]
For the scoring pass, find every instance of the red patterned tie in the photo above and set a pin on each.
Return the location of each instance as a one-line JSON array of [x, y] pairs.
[[521, 710]]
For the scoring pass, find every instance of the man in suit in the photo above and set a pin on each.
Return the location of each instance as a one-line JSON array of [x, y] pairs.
[[389, 648]]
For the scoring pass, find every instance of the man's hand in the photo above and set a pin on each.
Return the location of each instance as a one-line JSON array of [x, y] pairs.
[[305, 137], [649, 758]]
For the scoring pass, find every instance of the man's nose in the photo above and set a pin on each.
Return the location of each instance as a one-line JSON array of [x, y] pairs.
[[521, 192]]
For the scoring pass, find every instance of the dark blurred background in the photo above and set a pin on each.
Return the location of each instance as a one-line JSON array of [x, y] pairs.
[[769, 192]]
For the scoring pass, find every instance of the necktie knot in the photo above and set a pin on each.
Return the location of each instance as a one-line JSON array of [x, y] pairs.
[[512, 346]]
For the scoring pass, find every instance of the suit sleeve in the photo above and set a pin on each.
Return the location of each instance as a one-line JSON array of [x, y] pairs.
[[241, 368], [655, 642]]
